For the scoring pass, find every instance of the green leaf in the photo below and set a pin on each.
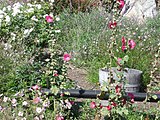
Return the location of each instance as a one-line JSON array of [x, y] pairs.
[[154, 97], [126, 58]]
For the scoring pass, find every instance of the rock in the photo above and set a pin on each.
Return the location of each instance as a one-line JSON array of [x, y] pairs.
[[139, 9]]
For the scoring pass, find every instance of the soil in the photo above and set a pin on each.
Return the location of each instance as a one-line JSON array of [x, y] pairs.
[[79, 75]]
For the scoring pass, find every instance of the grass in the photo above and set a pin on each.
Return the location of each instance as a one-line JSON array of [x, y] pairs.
[[86, 37]]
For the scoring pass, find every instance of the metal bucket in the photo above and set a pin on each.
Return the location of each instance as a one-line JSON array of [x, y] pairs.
[[133, 78]]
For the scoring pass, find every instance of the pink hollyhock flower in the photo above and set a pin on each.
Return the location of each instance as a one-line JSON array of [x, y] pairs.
[[123, 101], [36, 100], [124, 44], [49, 19], [36, 87], [118, 89], [121, 4], [131, 44], [112, 25], [101, 106], [59, 117], [123, 41], [119, 61], [131, 96], [55, 73], [108, 107], [72, 102], [124, 48], [113, 104], [92, 105], [66, 57]]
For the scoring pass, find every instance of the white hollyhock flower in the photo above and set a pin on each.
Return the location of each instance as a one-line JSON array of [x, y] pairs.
[[7, 19], [5, 99], [4, 9], [34, 18], [16, 8], [27, 32], [57, 19], [57, 31], [1, 16], [38, 6], [51, 1], [20, 114], [14, 102], [9, 7], [36, 118], [25, 103], [39, 110], [30, 10]]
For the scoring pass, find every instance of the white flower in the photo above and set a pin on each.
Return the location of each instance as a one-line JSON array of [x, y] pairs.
[[27, 32], [34, 18], [51, 1], [30, 10], [16, 9], [4, 9], [57, 19], [7, 46], [7, 19], [24, 118], [13, 36], [17, 5], [1, 16], [9, 7], [20, 113], [57, 31], [25, 103], [36, 118], [2, 12], [30, 5], [0, 108], [38, 6], [5, 99], [14, 101], [38, 110]]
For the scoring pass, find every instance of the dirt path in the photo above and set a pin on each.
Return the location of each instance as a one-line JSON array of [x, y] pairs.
[[80, 77]]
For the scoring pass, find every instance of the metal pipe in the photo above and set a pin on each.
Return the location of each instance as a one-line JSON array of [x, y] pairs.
[[81, 93]]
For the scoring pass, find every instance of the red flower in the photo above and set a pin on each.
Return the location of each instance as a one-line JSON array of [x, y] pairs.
[[72, 102], [118, 89], [49, 19], [124, 44], [112, 25], [131, 97], [92, 105], [121, 4], [108, 107], [119, 61], [66, 57], [131, 44], [123, 101], [101, 106], [124, 48], [113, 104]]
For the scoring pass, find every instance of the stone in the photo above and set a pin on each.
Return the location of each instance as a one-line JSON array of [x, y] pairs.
[[139, 9]]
